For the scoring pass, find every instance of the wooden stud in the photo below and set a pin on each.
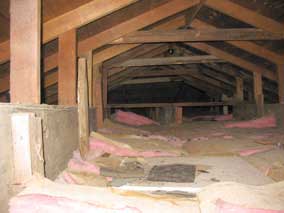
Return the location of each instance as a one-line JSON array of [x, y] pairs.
[[105, 93], [239, 89], [83, 108], [25, 37], [67, 68], [178, 115], [98, 96], [280, 72], [258, 93], [90, 77]]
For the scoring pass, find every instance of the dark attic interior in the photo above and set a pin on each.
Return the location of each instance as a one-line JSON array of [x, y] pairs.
[[142, 106]]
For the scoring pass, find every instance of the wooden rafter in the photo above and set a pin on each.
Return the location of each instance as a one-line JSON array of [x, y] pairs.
[[74, 19], [246, 15]]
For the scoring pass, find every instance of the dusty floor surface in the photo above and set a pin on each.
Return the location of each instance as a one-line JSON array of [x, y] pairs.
[[223, 178]]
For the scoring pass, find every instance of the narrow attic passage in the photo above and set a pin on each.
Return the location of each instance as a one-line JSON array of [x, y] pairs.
[[141, 106]]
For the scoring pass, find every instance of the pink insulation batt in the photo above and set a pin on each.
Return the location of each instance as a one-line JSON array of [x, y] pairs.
[[132, 119], [264, 122], [35, 203], [225, 207]]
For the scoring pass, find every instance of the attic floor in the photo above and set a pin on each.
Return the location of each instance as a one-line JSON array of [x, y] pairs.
[[214, 151]]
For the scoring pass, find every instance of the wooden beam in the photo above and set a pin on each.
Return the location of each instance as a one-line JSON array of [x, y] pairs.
[[170, 60], [154, 15], [147, 80], [90, 76], [178, 115], [50, 62], [234, 34], [83, 108], [250, 47], [280, 73], [233, 59], [246, 15], [105, 92], [67, 74], [239, 89], [258, 93], [4, 52], [182, 104], [192, 15], [25, 51], [74, 19], [98, 96]]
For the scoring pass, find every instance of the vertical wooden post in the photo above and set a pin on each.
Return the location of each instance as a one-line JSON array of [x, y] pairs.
[[239, 89], [83, 108], [280, 72], [258, 93], [178, 115], [25, 38], [67, 64], [157, 113], [105, 97], [90, 77], [27, 146], [98, 96]]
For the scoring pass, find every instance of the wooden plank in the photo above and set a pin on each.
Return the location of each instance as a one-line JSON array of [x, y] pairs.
[[170, 60], [280, 73], [183, 104], [233, 59], [178, 115], [234, 34], [156, 14], [239, 89], [246, 15], [258, 93], [67, 63], [27, 147], [36, 144], [83, 108], [25, 51], [98, 96]]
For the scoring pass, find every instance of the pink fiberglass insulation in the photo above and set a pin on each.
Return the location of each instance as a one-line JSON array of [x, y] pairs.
[[68, 178], [79, 165], [225, 207], [35, 203], [248, 152], [101, 146], [132, 119], [264, 122]]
